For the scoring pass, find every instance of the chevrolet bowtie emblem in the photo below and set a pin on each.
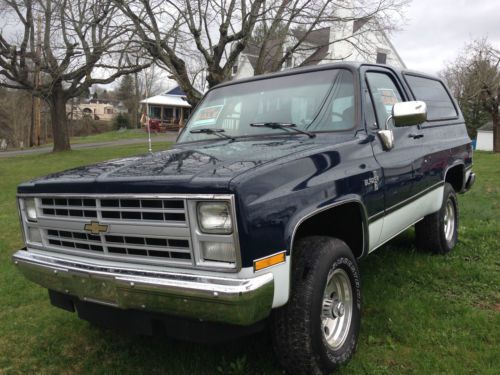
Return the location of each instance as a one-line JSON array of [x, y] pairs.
[[95, 228]]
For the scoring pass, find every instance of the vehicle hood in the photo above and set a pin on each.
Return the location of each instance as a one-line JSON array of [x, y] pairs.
[[206, 167]]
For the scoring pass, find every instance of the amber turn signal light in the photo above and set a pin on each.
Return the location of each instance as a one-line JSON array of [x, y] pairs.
[[269, 261]]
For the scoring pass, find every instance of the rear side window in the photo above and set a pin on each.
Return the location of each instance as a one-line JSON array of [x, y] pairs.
[[433, 93]]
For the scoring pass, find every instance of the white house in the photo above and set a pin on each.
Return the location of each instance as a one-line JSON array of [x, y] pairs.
[[484, 140], [168, 110], [365, 43], [97, 109]]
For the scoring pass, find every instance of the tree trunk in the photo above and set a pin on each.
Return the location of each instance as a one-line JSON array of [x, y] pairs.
[[58, 118], [32, 123], [495, 116]]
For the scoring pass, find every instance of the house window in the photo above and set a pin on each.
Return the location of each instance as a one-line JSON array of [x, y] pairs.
[[109, 111], [235, 68], [381, 58], [154, 112], [168, 113]]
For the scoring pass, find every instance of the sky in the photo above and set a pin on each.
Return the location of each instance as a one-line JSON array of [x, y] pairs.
[[436, 30]]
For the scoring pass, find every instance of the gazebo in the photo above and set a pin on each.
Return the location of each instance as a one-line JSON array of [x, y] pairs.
[[167, 111]]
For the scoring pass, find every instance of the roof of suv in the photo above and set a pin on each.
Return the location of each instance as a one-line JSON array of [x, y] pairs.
[[351, 65]]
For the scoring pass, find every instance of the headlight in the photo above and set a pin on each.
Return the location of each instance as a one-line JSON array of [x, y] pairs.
[[219, 251], [34, 235], [215, 217], [30, 209]]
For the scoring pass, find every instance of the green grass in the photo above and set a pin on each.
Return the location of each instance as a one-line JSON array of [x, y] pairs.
[[109, 136], [116, 135], [423, 314]]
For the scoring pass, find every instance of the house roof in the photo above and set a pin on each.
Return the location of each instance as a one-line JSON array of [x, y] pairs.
[[359, 23], [318, 37], [487, 127], [167, 100], [273, 52], [173, 98], [317, 56], [175, 91]]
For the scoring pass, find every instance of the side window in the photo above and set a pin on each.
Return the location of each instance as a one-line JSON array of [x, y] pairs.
[[384, 93], [433, 93], [341, 109]]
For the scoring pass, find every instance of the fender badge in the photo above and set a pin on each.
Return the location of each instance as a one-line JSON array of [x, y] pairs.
[[373, 181]]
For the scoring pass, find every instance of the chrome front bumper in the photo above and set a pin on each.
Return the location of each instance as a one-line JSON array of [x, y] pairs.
[[215, 299]]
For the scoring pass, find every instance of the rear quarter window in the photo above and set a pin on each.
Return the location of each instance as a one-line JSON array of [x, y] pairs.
[[439, 104]]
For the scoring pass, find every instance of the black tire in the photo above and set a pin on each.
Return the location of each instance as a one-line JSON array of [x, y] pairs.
[[431, 230], [299, 337]]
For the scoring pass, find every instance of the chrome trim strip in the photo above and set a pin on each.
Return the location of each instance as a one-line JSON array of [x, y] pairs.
[[21, 220], [131, 196], [412, 198], [218, 299]]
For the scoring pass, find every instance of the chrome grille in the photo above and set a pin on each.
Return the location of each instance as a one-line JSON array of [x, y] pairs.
[[136, 229], [154, 210], [158, 247]]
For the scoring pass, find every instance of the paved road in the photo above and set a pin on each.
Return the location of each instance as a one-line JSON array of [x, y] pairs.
[[121, 142]]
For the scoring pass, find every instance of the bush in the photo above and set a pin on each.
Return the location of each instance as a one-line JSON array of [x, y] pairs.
[[87, 126], [122, 121]]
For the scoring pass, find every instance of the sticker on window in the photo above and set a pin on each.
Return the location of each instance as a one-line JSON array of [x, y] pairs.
[[207, 116], [389, 98]]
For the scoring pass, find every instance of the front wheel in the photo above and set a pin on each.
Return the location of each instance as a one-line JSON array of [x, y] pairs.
[[438, 232], [318, 329]]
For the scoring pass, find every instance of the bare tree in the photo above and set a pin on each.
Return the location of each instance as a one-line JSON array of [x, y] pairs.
[[80, 43], [301, 27], [176, 33], [151, 81], [200, 41], [474, 78]]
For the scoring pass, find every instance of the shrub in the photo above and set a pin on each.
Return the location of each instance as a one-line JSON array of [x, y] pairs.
[[122, 121]]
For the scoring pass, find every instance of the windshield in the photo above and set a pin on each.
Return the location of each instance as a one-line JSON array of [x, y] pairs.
[[295, 99]]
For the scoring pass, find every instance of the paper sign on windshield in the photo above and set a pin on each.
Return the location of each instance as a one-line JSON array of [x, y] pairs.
[[389, 98], [207, 116]]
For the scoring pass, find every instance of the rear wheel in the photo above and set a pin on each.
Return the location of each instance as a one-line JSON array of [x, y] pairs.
[[438, 232], [318, 329]]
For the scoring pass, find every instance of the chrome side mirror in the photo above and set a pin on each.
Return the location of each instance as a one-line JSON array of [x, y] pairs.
[[386, 135], [387, 138], [409, 113]]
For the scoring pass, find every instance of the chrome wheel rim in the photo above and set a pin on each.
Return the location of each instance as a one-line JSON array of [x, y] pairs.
[[337, 308], [449, 220]]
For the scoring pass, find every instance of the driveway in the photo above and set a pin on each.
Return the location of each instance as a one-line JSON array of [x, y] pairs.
[[121, 142]]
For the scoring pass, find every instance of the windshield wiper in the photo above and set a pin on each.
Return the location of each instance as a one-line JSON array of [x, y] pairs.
[[217, 132], [282, 125]]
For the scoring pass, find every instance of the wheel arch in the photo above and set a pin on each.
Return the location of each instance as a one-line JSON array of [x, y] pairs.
[[455, 176], [347, 220]]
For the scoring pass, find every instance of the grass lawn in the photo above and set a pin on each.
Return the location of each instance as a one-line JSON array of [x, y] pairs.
[[117, 135], [110, 136], [423, 314]]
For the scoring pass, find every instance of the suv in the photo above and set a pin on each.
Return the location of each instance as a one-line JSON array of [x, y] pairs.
[[276, 188]]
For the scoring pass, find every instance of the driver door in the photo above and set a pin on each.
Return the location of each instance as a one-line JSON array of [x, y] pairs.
[[383, 91]]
